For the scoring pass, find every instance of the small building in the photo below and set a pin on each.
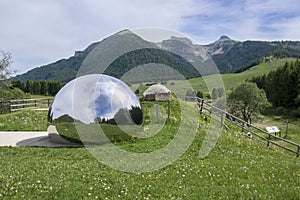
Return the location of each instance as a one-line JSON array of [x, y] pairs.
[[157, 92]]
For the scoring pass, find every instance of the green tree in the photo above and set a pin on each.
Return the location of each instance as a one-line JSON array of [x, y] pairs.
[[44, 88], [5, 65], [214, 94], [53, 87], [246, 101], [29, 87], [282, 85], [18, 84], [36, 87], [221, 92], [199, 94]]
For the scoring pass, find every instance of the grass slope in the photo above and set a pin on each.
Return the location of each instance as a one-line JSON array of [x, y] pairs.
[[229, 80], [236, 168]]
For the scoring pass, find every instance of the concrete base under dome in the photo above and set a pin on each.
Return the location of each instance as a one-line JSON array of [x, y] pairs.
[[49, 138]]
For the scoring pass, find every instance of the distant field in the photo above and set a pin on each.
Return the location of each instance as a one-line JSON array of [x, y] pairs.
[[230, 80]]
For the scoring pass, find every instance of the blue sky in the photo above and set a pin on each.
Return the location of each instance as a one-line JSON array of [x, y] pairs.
[[40, 32]]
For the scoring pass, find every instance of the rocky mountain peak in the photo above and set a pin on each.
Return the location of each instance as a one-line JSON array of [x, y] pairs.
[[182, 39], [224, 37]]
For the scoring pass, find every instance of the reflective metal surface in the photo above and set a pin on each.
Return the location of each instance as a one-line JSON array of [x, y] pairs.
[[94, 103]]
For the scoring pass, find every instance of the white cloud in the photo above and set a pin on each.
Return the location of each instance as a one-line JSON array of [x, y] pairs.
[[244, 20], [39, 32], [291, 27]]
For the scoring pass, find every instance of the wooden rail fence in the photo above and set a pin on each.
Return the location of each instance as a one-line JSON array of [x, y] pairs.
[[8, 106], [249, 130], [205, 108]]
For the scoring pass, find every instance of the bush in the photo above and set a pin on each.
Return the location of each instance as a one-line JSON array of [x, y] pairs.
[[199, 94], [296, 112], [280, 110], [16, 93]]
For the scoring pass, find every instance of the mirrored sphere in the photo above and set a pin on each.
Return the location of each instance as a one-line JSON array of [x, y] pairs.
[[92, 104]]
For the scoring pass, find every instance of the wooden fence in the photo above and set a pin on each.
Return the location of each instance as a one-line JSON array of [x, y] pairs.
[[249, 130], [8, 106]]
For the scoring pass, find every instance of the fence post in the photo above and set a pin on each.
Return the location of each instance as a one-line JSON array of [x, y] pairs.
[[298, 151], [9, 102], [169, 109], [243, 127], [286, 129], [48, 102], [269, 138], [156, 108], [222, 119], [200, 105]]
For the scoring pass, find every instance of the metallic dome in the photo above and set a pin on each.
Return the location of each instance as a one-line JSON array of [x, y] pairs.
[[91, 105]]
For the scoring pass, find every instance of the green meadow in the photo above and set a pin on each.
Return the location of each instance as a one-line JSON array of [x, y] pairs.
[[228, 81], [236, 168]]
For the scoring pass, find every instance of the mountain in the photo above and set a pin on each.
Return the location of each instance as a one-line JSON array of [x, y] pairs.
[[110, 49], [224, 44], [115, 56], [184, 47], [193, 53], [128, 48], [234, 56]]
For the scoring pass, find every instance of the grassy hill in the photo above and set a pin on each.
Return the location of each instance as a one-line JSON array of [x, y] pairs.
[[236, 168], [244, 55], [230, 80]]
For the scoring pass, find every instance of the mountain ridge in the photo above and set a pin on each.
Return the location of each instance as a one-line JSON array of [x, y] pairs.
[[229, 55]]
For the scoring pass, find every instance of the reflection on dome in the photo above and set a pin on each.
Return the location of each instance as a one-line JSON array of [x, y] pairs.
[[92, 100]]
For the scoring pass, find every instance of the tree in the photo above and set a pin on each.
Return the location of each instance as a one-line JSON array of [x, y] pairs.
[[282, 85], [29, 87], [36, 87], [18, 84], [221, 92], [214, 94], [246, 101], [53, 87], [199, 94], [5, 65], [44, 88]]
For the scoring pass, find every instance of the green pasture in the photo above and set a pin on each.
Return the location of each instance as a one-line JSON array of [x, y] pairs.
[[236, 168], [228, 81]]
